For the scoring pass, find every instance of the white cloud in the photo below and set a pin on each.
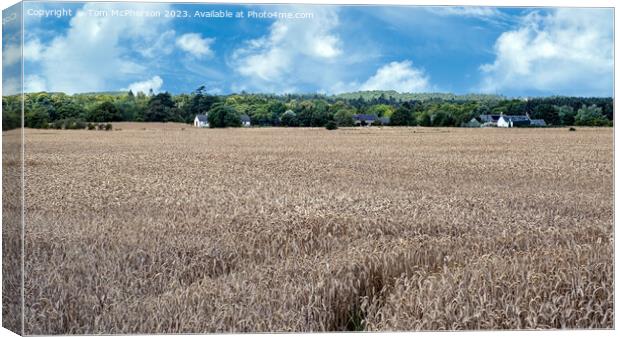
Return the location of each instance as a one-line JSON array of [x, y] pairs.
[[11, 85], [33, 50], [490, 15], [11, 54], [34, 83], [569, 51], [469, 11], [268, 65], [163, 45], [294, 49], [98, 52], [399, 76], [341, 87], [195, 44], [154, 83], [326, 46]]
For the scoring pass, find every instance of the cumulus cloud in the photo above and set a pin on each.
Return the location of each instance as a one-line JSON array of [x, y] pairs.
[[293, 48], [195, 44], [11, 85], [469, 11], [153, 83], [33, 50], [35, 83], [490, 15], [569, 52], [96, 53], [400, 76], [11, 54], [163, 45]]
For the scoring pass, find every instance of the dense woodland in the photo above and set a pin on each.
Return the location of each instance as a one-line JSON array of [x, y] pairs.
[[59, 110]]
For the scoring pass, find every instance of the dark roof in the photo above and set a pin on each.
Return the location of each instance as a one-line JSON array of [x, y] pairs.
[[202, 118], [513, 118], [244, 118], [364, 117], [516, 118], [489, 118], [538, 122]]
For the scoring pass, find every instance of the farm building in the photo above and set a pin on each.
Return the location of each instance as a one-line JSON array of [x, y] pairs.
[[364, 119], [201, 121], [245, 121], [489, 118], [538, 122], [510, 121], [505, 121]]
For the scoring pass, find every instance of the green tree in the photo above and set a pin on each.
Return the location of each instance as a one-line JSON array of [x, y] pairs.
[[45, 102], [344, 117], [511, 107], [36, 118], [402, 117], [331, 125], [591, 116], [547, 112], [105, 112], [320, 118], [277, 109], [289, 118], [201, 102], [423, 119], [261, 115], [71, 110], [381, 110], [442, 118], [222, 116], [313, 113], [566, 115], [161, 108], [11, 112]]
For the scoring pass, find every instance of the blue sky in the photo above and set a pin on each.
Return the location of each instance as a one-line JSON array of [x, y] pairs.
[[508, 51]]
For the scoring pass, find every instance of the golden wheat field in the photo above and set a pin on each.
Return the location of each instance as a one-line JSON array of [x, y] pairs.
[[175, 229]]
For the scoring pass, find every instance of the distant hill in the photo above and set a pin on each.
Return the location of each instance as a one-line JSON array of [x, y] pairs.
[[110, 93], [375, 94]]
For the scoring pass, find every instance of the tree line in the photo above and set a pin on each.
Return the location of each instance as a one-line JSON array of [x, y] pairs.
[[57, 110]]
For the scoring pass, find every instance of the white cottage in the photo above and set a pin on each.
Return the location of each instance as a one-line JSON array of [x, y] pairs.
[[509, 121], [246, 121], [201, 121], [504, 122]]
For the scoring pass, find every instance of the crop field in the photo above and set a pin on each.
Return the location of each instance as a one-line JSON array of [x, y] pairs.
[[174, 229]]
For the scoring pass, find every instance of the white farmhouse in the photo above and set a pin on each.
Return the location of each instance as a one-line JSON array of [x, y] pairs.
[[504, 122], [245, 121], [201, 121], [509, 121]]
